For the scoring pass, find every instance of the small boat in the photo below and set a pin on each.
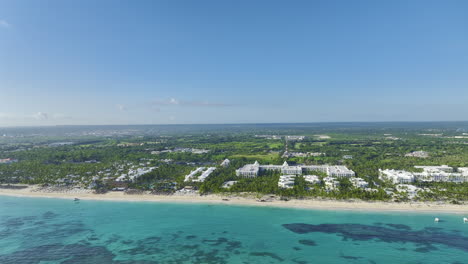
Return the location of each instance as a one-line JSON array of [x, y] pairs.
[[436, 220], [465, 220], [76, 199]]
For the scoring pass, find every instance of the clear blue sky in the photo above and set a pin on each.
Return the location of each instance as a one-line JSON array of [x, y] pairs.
[[158, 62]]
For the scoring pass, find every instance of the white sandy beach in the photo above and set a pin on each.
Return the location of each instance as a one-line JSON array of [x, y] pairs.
[[247, 200]]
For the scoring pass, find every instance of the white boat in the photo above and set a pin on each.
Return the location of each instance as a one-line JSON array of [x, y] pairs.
[[436, 219]]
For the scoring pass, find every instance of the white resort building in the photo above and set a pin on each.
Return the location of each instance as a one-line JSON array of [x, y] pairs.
[[331, 183], [359, 182], [133, 174], [443, 168], [286, 181], [418, 154], [252, 170], [199, 175], [249, 170], [441, 173], [228, 184], [396, 176], [411, 190], [313, 179], [225, 163]]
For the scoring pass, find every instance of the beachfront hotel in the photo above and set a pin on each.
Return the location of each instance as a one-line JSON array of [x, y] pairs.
[[359, 182], [199, 174], [313, 179], [133, 174], [253, 170], [441, 173], [286, 181], [396, 176]]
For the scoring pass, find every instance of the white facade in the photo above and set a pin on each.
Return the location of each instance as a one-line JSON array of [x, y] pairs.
[[249, 170], [441, 173], [444, 168], [229, 184], [133, 174], [418, 154], [252, 170], [314, 179], [340, 171], [411, 190], [193, 173], [225, 163], [359, 183], [205, 172], [396, 176], [295, 138], [286, 169], [463, 171], [286, 181], [331, 183]]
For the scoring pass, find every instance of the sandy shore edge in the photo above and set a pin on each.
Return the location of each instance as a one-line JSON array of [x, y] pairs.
[[315, 204]]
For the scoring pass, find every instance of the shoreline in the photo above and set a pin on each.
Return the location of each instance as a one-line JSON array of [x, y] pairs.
[[309, 204]]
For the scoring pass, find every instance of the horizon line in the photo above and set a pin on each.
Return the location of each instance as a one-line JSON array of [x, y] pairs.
[[247, 123]]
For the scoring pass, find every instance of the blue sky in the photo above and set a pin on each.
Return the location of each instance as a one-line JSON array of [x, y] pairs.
[[163, 62]]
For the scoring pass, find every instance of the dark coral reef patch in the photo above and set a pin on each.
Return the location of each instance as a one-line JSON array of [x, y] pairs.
[[398, 233]]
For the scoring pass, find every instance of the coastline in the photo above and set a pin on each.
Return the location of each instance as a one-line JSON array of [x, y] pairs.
[[311, 204]]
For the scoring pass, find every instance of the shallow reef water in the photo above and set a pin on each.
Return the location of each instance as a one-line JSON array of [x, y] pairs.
[[37, 231]]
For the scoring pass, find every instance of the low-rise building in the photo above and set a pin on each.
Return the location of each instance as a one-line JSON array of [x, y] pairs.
[[418, 154], [286, 181], [225, 163], [396, 176], [463, 171], [444, 168], [190, 150], [7, 161], [228, 184], [359, 182], [133, 174], [295, 138], [287, 154], [313, 179], [199, 174], [441, 173], [331, 183], [411, 190], [275, 137]]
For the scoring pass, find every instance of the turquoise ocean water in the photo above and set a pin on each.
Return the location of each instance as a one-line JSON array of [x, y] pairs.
[[46, 231]]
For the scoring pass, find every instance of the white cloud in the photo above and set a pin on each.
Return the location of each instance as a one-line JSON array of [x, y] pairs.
[[174, 101], [41, 116], [121, 107], [4, 24]]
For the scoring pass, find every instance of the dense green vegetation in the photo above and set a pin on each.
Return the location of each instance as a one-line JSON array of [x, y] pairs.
[[83, 157]]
